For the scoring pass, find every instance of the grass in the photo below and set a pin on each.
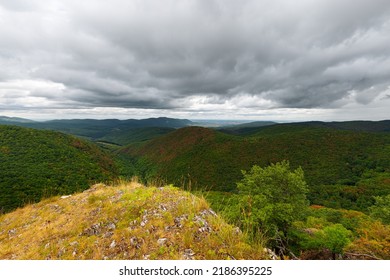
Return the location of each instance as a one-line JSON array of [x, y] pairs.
[[124, 221]]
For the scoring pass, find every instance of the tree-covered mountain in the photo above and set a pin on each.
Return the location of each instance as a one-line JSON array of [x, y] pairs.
[[40, 163], [344, 166]]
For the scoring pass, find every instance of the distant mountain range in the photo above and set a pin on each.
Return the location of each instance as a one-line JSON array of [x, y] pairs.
[[99, 129], [12, 120]]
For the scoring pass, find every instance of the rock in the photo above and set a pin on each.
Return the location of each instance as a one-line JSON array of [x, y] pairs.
[[65, 196], [134, 242], [207, 212], [188, 254], [178, 220], [61, 252], [271, 253], [111, 226], [113, 244], [237, 231], [205, 229], [93, 230], [108, 234], [143, 223], [12, 232], [162, 241], [95, 212], [212, 212], [163, 207]]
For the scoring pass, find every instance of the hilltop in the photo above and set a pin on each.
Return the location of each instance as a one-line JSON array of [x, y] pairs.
[[128, 221], [37, 163]]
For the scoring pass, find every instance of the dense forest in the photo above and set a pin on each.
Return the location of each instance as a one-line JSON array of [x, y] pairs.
[[36, 164]]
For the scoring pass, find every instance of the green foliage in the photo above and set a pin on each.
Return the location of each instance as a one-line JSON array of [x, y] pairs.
[[227, 204], [273, 197], [334, 238], [381, 209], [36, 164]]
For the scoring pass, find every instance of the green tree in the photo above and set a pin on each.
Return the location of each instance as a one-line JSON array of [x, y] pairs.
[[334, 238], [381, 209], [273, 197]]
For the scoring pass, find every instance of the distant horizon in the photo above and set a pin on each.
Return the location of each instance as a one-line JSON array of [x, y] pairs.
[[190, 119]]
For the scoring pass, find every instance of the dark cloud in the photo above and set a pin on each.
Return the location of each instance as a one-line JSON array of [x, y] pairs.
[[187, 54]]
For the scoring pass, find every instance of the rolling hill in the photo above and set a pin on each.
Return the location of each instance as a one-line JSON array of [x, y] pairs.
[[40, 163]]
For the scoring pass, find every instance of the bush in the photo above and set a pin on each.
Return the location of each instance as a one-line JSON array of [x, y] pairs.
[[272, 198]]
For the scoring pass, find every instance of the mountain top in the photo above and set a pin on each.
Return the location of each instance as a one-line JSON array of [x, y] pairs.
[[128, 221]]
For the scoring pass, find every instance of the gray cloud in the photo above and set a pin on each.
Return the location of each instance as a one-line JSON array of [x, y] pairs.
[[184, 55]]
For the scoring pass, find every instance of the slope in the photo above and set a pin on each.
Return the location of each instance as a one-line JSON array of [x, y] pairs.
[[203, 157], [128, 221], [36, 164]]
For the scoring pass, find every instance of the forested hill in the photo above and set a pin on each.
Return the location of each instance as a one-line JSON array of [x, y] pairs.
[[40, 163], [206, 158]]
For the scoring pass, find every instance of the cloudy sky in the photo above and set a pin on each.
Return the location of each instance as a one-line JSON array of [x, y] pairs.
[[198, 59]]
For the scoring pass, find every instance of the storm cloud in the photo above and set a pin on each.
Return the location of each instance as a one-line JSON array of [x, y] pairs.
[[187, 56]]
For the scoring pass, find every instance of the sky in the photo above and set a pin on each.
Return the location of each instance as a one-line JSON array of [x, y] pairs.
[[278, 60]]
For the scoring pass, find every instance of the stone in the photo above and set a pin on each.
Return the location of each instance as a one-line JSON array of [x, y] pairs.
[[162, 241], [143, 223], [134, 241], [12, 232], [111, 226], [188, 254], [93, 230]]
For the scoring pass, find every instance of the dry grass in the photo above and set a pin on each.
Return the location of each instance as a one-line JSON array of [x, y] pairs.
[[124, 221]]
